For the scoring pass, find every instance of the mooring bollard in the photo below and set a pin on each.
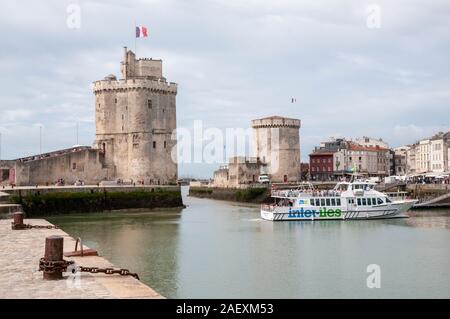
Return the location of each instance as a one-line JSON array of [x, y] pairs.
[[17, 221], [54, 254]]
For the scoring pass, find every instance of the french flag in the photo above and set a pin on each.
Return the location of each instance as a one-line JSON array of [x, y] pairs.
[[141, 32]]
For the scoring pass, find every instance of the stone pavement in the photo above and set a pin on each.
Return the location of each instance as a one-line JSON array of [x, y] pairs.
[[20, 251]]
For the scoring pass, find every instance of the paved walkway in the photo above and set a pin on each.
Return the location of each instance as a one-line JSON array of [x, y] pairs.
[[20, 251]]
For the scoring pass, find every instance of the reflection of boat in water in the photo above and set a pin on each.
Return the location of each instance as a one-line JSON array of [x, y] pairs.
[[348, 200]]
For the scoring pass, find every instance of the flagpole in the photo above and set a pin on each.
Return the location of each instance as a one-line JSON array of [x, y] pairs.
[[135, 49]]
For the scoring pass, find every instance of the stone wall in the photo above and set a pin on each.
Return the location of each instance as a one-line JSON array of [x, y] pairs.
[[6, 169], [243, 170], [85, 165], [42, 201], [259, 194], [221, 177]]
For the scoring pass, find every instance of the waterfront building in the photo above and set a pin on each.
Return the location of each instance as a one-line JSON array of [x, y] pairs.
[[321, 165], [410, 159], [276, 150], [448, 156], [244, 170], [276, 142], [371, 142], [439, 152], [329, 159], [333, 145], [370, 160], [240, 170], [400, 159], [430, 155], [135, 117], [344, 157], [423, 156], [221, 177]]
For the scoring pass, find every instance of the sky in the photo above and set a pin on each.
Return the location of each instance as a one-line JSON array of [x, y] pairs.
[[356, 68]]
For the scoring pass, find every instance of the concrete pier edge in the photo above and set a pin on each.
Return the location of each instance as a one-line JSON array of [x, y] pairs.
[[20, 251]]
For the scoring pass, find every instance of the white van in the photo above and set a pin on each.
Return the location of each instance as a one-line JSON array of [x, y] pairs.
[[263, 179]]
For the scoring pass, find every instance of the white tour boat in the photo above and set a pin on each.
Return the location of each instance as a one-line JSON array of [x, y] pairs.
[[348, 200]]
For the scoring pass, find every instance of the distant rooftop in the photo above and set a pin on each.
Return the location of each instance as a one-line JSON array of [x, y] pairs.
[[358, 147]]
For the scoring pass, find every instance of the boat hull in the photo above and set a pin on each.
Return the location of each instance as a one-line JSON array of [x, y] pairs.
[[394, 210]]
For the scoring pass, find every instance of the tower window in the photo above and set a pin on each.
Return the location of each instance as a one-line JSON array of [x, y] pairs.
[[165, 144], [149, 104], [74, 165], [115, 100], [154, 144]]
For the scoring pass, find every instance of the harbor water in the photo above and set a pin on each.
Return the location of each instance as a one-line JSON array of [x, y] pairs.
[[218, 249]]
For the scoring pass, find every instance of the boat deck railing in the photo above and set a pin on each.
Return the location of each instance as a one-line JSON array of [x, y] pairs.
[[296, 193]]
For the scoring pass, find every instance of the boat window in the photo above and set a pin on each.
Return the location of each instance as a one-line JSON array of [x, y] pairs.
[[328, 202], [333, 202], [388, 200], [374, 201], [338, 202], [364, 201], [379, 201], [322, 202], [317, 202], [359, 201], [313, 202]]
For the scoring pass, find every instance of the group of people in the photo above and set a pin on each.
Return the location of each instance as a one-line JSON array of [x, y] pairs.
[[429, 180]]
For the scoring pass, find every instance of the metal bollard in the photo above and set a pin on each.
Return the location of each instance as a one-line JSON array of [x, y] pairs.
[[53, 252], [17, 221]]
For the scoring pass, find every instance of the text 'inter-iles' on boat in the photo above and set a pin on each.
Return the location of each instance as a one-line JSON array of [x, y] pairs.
[[347, 200]]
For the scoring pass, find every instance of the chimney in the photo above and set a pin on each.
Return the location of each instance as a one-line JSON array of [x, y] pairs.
[[125, 63]]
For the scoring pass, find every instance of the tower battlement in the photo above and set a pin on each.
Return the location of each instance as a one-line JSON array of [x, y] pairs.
[[276, 121], [157, 85], [131, 67]]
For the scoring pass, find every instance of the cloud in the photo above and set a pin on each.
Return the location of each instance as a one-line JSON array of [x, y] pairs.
[[234, 61], [414, 133]]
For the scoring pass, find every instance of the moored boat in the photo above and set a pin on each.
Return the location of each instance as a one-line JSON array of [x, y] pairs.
[[347, 200]]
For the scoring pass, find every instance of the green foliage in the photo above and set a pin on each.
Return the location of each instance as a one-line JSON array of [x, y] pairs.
[[201, 190], [250, 194], [62, 202]]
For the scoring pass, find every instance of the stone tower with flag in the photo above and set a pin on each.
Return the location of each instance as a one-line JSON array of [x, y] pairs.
[[135, 117], [276, 142]]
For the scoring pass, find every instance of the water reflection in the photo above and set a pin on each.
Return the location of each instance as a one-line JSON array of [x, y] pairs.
[[216, 249], [142, 242]]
